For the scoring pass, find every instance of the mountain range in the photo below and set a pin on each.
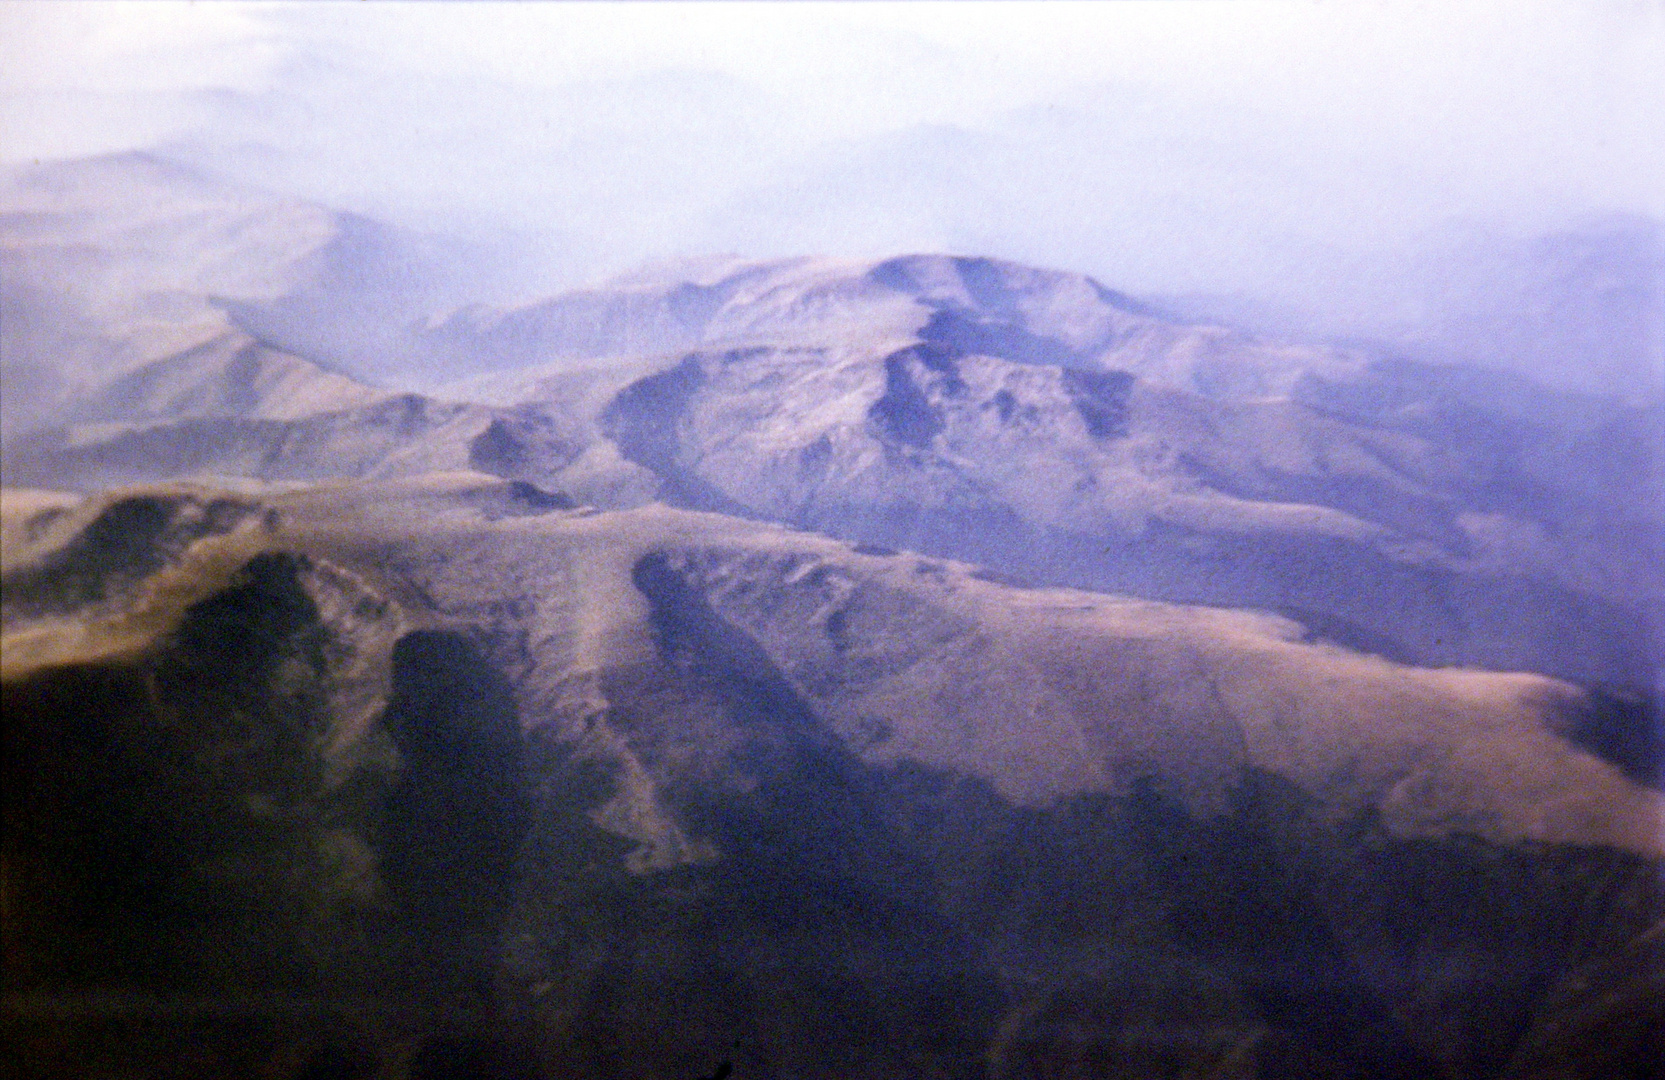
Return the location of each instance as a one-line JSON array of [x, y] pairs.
[[926, 665]]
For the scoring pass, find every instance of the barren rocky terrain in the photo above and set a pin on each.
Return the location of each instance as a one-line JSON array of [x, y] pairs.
[[928, 666]]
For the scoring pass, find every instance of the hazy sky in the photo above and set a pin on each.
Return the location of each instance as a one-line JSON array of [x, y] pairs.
[[1160, 145]]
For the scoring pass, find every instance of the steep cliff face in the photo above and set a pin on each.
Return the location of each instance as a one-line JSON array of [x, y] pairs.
[[449, 776]]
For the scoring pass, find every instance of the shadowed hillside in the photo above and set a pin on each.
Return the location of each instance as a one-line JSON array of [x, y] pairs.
[[930, 666], [750, 795]]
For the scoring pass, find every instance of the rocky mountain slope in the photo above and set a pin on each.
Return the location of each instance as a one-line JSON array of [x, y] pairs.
[[1031, 421], [929, 666], [628, 793]]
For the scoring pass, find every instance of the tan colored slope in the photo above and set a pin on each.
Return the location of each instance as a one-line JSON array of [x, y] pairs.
[[1050, 692], [232, 374], [1042, 693], [24, 514], [138, 247]]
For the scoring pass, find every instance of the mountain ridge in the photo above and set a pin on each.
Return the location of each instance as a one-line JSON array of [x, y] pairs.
[[927, 665], [997, 812]]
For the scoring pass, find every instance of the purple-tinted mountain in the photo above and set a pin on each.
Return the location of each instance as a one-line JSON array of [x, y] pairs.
[[923, 666]]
